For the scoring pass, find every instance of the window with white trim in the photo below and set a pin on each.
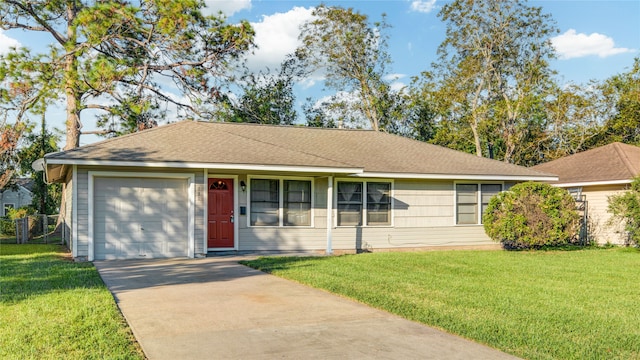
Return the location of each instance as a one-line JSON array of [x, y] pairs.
[[378, 203], [265, 202], [297, 203], [7, 208], [269, 206], [470, 198], [352, 203]]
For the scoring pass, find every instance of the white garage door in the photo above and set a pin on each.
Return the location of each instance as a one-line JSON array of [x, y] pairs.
[[140, 218]]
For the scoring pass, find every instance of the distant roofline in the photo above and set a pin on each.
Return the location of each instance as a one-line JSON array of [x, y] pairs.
[[593, 183]]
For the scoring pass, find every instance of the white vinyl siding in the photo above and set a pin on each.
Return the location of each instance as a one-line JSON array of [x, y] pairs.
[[601, 228]]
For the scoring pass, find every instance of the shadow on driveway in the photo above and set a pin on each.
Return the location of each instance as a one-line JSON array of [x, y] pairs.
[[215, 308]]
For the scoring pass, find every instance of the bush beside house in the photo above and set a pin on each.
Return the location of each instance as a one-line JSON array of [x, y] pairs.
[[532, 215]]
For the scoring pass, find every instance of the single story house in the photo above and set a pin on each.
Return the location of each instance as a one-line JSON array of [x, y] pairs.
[[595, 175], [190, 188], [16, 195]]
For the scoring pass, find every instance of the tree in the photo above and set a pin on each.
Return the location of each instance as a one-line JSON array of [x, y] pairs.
[[493, 67], [115, 56], [267, 98], [625, 207], [10, 137], [573, 120], [18, 101], [351, 54], [623, 94], [46, 197]]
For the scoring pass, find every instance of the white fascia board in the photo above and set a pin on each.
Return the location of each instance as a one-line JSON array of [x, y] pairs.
[[593, 183], [454, 177], [188, 165]]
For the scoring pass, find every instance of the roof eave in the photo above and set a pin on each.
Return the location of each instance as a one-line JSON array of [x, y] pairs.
[[210, 166], [456, 176]]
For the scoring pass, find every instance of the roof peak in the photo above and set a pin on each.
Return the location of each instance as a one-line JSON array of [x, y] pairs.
[[634, 168]]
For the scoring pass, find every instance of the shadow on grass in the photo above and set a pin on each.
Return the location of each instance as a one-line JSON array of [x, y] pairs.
[[271, 264], [27, 271]]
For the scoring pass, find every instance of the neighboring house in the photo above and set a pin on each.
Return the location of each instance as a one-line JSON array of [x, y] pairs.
[[16, 195], [190, 188], [597, 174]]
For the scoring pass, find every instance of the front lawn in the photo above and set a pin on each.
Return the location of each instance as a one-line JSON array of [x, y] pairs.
[[536, 305], [52, 308]]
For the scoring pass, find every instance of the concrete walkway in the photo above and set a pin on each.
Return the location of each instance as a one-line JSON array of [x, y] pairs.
[[214, 308]]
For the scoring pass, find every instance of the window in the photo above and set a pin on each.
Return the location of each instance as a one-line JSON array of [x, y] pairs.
[[351, 203], [266, 202], [8, 207], [488, 191], [378, 204], [468, 201], [297, 203]]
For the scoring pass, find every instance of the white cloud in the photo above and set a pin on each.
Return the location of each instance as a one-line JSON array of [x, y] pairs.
[[276, 37], [573, 45], [227, 7], [393, 77], [423, 6], [6, 43]]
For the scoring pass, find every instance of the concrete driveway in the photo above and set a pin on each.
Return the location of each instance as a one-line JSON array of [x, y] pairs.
[[214, 308]]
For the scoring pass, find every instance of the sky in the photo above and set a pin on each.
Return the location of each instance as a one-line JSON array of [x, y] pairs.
[[597, 39]]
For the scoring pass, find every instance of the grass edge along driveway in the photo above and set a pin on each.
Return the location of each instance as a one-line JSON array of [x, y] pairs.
[[53, 308], [536, 305]]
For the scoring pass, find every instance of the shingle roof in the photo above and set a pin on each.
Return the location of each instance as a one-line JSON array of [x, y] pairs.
[[616, 161], [251, 144]]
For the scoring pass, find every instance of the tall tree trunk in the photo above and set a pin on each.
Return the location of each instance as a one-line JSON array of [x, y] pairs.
[[71, 74]]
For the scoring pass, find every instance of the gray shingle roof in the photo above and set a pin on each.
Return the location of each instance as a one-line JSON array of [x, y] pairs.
[[251, 144], [616, 161]]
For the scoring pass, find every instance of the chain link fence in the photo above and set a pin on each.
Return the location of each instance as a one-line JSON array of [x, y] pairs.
[[33, 229]]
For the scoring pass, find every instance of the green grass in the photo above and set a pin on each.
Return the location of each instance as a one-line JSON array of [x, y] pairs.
[[52, 308], [535, 305]]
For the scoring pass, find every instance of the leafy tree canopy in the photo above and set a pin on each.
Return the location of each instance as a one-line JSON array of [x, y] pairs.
[[126, 60], [352, 54]]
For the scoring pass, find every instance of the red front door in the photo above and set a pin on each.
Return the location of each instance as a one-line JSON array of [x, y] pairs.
[[220, 217]]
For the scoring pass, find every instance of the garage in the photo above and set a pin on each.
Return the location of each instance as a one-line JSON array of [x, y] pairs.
[[138, 218]]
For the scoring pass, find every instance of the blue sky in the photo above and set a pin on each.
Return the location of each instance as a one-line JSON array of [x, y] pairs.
[[597, 39]]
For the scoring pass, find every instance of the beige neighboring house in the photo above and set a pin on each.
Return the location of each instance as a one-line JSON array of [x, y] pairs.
[[597, 174], [16, 196], [191, 188]]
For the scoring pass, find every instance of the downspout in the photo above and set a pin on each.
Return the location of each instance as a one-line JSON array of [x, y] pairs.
[[329, 249]]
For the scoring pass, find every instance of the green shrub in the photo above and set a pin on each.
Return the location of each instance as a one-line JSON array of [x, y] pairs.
[[7, 226], [20, 213], [626, 207], [532, 215]]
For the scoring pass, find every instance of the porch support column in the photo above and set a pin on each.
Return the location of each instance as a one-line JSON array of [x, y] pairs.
[[329, 250]]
